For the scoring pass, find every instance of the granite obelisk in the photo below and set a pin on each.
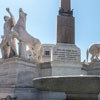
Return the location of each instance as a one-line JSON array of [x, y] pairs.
[[65, 4], [66, 54], [65, 23]]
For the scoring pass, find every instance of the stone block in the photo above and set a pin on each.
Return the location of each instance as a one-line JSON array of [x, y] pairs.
[[92, 68], [65, 68], [66, 53], [26, 93], [65, 4], [16, 76], [45, 95], [45, 69], [66, 60], [65, 29]]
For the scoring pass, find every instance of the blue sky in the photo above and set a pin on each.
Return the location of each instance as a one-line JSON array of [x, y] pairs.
[[42, 19]]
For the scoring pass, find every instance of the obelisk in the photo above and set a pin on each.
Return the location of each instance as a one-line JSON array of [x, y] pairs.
[[65, 23], [65, 4], [66, 59]]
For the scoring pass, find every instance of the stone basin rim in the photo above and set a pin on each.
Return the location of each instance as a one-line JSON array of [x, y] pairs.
[[83, 84], [68, 76]]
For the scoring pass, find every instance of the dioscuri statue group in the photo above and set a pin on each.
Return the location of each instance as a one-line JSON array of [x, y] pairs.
[[17, 31]]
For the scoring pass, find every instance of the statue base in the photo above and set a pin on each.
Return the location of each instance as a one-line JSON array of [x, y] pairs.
[[16, 76], [66, 60], [66, 53], [92, 68]]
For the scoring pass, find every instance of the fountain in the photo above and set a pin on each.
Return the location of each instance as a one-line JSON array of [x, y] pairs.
[[78, 80], [76, 87]]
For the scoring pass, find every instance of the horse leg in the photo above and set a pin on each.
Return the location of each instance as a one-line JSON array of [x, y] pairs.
[[3, 43], [16, 35], [92, 58], [97, 57]]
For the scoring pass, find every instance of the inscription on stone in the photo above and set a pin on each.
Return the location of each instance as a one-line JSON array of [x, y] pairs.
[[65, 54]]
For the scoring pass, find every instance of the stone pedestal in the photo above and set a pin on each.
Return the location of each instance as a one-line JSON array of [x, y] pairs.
[[66, 60], [66, 68], [16, 76], [66, 5], [66, 53], [92, 68], [45, 95]]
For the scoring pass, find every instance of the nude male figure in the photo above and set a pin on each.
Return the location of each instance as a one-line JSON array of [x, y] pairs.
[[9, 39]]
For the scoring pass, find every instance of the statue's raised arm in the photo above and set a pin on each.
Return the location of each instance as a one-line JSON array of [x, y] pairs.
[[11, 17]]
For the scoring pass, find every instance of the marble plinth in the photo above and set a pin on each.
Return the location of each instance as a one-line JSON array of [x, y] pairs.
[[66, 60], [16, 76], [66, 53], [92, 68]]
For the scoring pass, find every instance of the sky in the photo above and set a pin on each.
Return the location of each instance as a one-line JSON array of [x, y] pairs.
[[42, 20]]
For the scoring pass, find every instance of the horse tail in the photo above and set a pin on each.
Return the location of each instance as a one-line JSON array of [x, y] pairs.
[[87, 54]]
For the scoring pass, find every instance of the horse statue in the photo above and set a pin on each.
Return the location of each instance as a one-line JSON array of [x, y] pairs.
[[94, 50], [21, 34]]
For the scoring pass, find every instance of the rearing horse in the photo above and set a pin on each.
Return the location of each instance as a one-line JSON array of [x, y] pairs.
[[21, 34]]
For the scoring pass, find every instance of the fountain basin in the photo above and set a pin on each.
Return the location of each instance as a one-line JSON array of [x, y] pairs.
[[70, 84]]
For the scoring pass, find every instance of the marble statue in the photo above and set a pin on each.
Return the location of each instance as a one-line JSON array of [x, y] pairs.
[[94, 50], [30, 56], [21, 34], [9, 40], [5, 50], [13, 31], [8, 25]]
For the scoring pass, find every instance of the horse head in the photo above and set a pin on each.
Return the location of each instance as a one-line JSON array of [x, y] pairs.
[[22, 14]]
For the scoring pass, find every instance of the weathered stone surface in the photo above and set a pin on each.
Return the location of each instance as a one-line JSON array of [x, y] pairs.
[[76, 87], [45, 69], [66, 53], [17, 72], [65, 4], [20, 93], [92, 68], [82, 97], [16, 76], [65, 24], [44, 95], [26, 93], [65, 29], [66, 68], [87, 84], [66, 60]]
